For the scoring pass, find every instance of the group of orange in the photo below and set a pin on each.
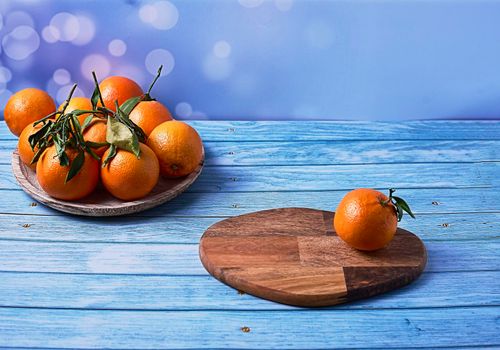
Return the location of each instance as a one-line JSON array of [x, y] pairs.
[[171, 148]]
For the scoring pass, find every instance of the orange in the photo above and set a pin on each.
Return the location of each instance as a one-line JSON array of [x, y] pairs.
[[178, 147], [96, 132], [25, 107], [149, 114], [25, 152], [365, 219], [51, 175], [127, 177], [118, 88], [78, 103]]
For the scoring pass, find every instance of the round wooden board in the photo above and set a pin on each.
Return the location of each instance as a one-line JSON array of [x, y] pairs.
[[293, 256], [101, 202]]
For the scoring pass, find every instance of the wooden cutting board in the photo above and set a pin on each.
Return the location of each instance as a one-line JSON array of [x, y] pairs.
[[293, 256]]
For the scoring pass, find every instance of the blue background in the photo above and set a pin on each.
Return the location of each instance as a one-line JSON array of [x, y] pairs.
[[253, 59]]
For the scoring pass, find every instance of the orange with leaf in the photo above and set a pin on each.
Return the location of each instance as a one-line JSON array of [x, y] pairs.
[[118, 89], [367, 219]]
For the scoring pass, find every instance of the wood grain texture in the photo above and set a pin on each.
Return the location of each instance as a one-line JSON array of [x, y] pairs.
[[203, 292], [335, 152], [137, 283], [293, 256], [244, 131], [101, 202]]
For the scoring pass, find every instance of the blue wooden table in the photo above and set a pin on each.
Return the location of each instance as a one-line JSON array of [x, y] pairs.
[[137, 282]]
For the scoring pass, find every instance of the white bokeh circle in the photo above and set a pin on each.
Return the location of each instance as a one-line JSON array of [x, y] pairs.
[[86, 31], [159, 57], [215, 68], [21, 42], [183, 110], [61, 76], [66, 26], [97, 63], [117, 47], [18, 18], [50, 34], [222, 49], [5, 75], [161, 15]]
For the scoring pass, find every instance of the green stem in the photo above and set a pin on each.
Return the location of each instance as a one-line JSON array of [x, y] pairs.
[[66, 103], [97, 87], [154, 81]]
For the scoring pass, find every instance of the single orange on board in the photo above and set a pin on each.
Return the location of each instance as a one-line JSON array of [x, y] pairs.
[[26, 107], [149, 114], [127, 177], [366, 219], [52, 176], [25, 152], [82, 103], [178, 147], [96, 132], [119, 89]]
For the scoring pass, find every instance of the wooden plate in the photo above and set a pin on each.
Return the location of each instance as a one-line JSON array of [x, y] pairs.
[[101, 203], [293, 256]]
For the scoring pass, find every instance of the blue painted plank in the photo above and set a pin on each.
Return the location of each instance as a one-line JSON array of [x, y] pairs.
[[336, 130], [296, 329], [333, 152], [171, 229], [180, 259], [136, 292], [330, 177], [422, 201]]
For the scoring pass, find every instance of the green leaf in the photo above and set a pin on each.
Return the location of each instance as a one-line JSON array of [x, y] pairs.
[[95, 98], [92, 153], [111, 154], [96, 144], [401, 203], [76, 166], [130, 104], [87, 121], [121, 136]]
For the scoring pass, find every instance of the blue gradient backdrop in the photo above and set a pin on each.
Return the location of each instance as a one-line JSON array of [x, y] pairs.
[[254, 59]]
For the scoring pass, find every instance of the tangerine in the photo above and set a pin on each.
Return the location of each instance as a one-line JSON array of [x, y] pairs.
[[366, 219], [25, 152], [127, 177], [26, 107], [178, 147], [78, 103], [52, 176], [119, 89], [96, 132], [149, 114]]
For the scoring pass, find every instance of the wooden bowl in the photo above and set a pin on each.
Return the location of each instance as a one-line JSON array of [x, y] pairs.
[[101, 202]]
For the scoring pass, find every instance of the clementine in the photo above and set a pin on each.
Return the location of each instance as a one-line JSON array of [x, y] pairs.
[[127, 177], [119, 89], [78, 103], [96, 132], [149, 114], [366, 219], [52, 176], [178, 147], [25, 152], [25, 107]]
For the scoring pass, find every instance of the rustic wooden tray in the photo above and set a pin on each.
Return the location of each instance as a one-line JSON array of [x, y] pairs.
[[101, 203], [293, 256]]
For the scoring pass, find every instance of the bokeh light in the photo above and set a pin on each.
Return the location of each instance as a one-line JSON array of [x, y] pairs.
[[18, 18], [64, 26], [161, 15], [159, 57], [216, 68], [63, 92], [86, 31], [117, 47], [183, 110], [97, 63], [222, 49], [5, 75], [21, 42], [61, 76]]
